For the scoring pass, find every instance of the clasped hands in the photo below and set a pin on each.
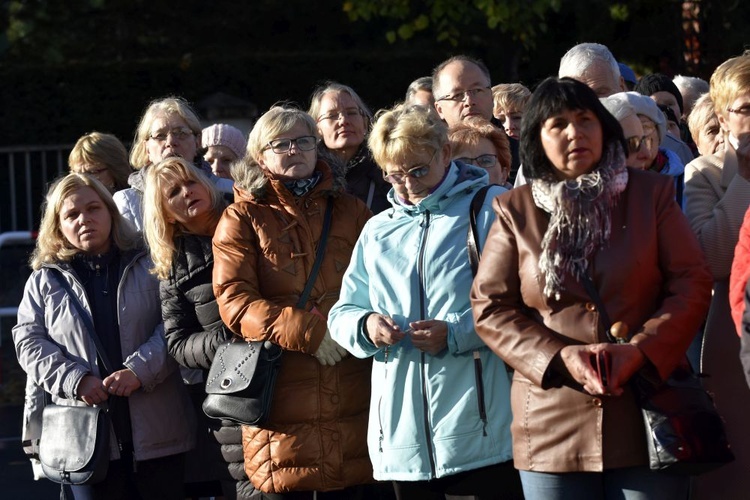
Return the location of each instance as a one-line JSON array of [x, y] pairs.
[[92, 390], [624, 361], [429, 335]]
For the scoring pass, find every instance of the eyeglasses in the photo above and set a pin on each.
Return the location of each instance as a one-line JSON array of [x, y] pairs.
[[461, 96], [414, 172], [348, 114], [281, 146], [484, 161], [742, 110], [635, 143], [178, 133]]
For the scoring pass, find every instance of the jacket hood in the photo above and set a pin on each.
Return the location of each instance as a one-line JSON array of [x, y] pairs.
[[460, 178], [674, 166], [137, 180], [257, 186]]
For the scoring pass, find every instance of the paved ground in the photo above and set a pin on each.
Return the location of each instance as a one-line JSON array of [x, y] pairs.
[[16, 480]]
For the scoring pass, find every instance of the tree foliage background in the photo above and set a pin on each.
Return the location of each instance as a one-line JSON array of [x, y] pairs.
[[67, 68]]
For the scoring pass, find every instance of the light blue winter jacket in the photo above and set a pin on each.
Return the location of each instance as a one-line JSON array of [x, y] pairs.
[[411, 263]]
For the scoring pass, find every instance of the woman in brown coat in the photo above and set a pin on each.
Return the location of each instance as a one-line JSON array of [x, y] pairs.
[[264, 248], [585, 213]]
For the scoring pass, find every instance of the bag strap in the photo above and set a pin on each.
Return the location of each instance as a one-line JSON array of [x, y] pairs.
[[318, 255], [472, 239], [86, 318], [588, 284]]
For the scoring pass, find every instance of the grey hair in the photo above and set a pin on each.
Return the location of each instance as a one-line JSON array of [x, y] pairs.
[[578, 59], [691, 88], [422, 83]]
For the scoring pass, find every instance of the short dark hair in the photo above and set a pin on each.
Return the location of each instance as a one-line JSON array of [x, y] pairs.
[[552, 96]]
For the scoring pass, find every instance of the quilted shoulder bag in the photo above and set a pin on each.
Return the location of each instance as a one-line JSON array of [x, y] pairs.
[[243, 374]]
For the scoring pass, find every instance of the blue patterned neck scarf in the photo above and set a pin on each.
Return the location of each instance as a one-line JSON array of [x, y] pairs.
[[300, 187]]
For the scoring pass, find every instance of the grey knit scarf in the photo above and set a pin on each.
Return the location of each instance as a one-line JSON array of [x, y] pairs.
[[580, 217]]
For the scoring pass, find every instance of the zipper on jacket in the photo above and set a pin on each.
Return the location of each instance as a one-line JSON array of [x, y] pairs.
[[422, 313], [480, 391]]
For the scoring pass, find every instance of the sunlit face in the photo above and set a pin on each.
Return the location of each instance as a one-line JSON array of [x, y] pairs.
[[98, 172], [511, 120], [185, 201], [737, 121], [572, 141], [220, 158], [466, 80], [429, 165], [484, 148], [651, 138], [85, 221], [293, 164], [632, 129], [710, 138], [169, 136], [341, 122]]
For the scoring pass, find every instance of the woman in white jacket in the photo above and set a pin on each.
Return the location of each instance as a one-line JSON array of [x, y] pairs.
[[85, 242]]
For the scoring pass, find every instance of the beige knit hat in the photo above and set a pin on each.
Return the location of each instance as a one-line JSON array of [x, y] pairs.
[[222, 134]]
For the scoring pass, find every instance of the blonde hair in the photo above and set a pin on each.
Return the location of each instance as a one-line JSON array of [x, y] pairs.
[[101, 150], [159, 232], [470, 132], [51, 245], [160, 107], [274, 122], [702, 113], [406, 130], [510, 96], [730, 80]]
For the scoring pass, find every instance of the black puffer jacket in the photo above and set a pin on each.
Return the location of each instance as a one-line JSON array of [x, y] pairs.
[[194, 331], [192, 323]]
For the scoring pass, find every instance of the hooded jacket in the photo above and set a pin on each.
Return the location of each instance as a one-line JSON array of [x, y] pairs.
[[264, 248], [428, 416], [56, 350]]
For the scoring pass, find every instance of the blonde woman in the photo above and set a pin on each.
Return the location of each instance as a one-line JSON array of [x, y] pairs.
[[102, 156], [84, 241], [182, 209], [313, 445]]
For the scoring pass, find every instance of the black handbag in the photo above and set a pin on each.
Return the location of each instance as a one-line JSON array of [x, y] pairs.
[[74, 442], [243, 374], [684, 432]]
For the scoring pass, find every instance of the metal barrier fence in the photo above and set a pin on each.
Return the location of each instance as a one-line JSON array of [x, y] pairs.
[[25, 173]]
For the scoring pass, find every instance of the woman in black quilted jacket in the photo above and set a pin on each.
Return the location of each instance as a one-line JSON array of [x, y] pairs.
[[181, 209]]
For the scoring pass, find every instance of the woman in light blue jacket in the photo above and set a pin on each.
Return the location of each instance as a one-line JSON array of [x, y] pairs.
[[85, 243], [440, 411]]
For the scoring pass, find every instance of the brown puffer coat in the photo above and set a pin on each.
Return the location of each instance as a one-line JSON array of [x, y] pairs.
[[264, 249]]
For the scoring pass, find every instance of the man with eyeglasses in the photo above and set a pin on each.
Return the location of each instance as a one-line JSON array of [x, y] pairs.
[[463, 91]]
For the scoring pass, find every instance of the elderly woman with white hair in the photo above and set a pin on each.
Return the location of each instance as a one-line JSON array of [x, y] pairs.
[[594, 65], [704, 126]]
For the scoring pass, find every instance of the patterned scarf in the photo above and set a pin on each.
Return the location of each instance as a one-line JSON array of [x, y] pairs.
[[300, 187], [580, 217]]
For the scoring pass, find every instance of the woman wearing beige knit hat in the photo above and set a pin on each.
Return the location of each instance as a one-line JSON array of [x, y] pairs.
[[224, 144]]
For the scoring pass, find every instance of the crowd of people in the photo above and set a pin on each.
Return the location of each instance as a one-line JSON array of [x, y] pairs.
[[445, 349]]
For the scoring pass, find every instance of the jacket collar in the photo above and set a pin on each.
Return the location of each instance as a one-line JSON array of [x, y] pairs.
[[460, 179]]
